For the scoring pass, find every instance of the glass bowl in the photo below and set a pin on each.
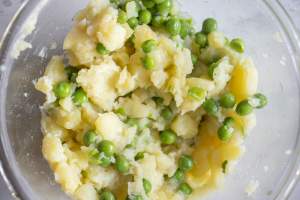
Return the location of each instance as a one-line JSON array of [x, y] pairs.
[[272, 156]]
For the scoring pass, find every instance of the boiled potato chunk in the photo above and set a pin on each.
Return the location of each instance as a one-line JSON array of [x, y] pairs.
[[244, 80]]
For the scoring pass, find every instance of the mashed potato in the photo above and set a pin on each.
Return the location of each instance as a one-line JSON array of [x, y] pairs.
[[138, 114]]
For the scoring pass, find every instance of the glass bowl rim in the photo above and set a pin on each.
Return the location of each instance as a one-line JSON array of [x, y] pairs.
[[11, 176]]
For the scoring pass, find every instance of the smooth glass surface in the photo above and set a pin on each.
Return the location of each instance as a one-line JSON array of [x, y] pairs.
[[272, 155]]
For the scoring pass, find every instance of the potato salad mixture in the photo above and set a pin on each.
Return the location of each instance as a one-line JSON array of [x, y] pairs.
[[146, 106]]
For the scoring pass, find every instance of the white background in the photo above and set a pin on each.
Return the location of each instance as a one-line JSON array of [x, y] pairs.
[[8, 7]]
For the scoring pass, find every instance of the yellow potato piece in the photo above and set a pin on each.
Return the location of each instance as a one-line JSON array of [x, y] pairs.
[[244, 80]]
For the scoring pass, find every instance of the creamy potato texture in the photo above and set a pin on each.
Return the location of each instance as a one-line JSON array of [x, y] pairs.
[[117, 99]]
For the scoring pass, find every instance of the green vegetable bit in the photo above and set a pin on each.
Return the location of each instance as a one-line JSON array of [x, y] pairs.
[[145, 17], [167, 137], [158, 1], [100, 158], [139, 156], [132, 122], [228, 121], [147, 186], [224, 166], [133, 22], [237, 45], [201, 39], [225, 133], [211, 70], [194, 59], [157, 21], [148, 3], [148, 62], [164, 8], [158, 100], [72, 73], [107, 195], [209, 25], [186, 27], [62, 90], [101, 49], [211, 106], [79, 97], [122, 164], [167, 113], [107, 147], [185, 163], [197, 93], [173, 26], [149, 45], [89, 138], [104, 161], [227, 100], [122, 18], [185, 188], [244, 108], [178, 175], [121, 111], [263, 101]]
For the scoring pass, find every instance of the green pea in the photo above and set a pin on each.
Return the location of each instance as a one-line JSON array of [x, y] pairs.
[[201, 39], [121, 111], [133, 22], [157, 21], [185, 163], [149, 45], [237, 45], [148, 3], [211, 70], [79, 97], [158, 1], [168, 137], [148, 62], [89, 138], [194, 59], [211, 106], [158, 100], [228, 121], [185, 188], [173, 26], [209, 25], [263, 101], [224, 166], [139, 156], [100, 158], [116, 2], [132, 122], [62, 89], [227, 100], [107, 147], [197, 93], [178, 175], [101, 49], [164, 8], [107, 195], [186, 28], [104, 161], [147, 186], [167, 113], [122, 164], [72, 73], [122, 18], [225, 133], [244, 108], [145, 17]]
